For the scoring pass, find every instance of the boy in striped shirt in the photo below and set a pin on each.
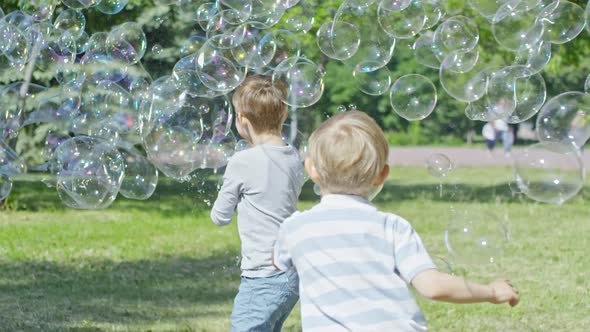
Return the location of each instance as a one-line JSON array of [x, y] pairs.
[[355, 262]]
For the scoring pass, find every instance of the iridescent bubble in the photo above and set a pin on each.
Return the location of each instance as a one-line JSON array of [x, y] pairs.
[[204, 13], [515, 27], [80, 4], [278, 45], [242, 145], [141, 177], [40, 10], [111, 7], [338, 40], [413, 97], [439, 165], [460, 76], [185, 78], [82, 43], [317, 190], [217, 151], [10, 162], [562, 22], [192, 45], [457, 33], [15, 45], [303, 79], [157, 49], [433, 13], [72, 20], [476, 237], [402, 24], [486, 8], [300, 23], [534, 58], [252, 51], [217, 69], [227, 33], [264, 16], [5, 186], [395, 5], [528, 91], [374, 82], [89, 172], [566, 119], [424, 50], [128, 42], [98, 42], [12, 115], [549, 172], [375, 49], [99, 67]]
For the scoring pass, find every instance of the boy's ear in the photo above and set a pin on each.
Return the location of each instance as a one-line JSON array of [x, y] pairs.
[[382, 176], [311, 171]]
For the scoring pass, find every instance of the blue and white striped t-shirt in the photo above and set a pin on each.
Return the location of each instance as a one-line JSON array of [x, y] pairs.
[[354, 264]]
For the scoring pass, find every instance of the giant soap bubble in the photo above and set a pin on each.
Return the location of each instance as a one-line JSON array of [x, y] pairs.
[[549, 172], [338, 40], [413, 97], [565, 118], [89, 172], [303, 79], [476, 237]]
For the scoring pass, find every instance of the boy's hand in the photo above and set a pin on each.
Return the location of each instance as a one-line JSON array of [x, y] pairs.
[[503, 291]]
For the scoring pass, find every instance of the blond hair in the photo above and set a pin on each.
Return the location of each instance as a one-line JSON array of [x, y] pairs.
[[259, 100], [348, 152]]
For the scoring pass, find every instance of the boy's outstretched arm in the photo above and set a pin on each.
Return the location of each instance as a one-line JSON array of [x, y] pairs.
[[440, 286], [227, 198]]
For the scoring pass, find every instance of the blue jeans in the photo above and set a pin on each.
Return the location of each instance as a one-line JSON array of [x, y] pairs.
[[263, 304]]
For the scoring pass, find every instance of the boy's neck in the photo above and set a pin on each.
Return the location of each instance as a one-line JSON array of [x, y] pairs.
[[267, 138]]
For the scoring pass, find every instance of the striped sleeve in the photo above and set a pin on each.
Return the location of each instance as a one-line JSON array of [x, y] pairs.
[[410, 255], [281, 256]]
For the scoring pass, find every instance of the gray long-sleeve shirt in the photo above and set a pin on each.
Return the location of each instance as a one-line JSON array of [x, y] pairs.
[[264, 183]]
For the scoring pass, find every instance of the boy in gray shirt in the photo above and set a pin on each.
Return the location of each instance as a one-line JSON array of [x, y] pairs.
[[264, 183]]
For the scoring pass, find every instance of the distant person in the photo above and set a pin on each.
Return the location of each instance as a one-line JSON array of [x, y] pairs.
[[508, 140], [501, 129], [356, 263], [489, 134], [263, 183]]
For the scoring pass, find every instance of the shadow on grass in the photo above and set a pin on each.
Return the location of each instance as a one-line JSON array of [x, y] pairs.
[[173, 198], [456, 192], [50, 296]]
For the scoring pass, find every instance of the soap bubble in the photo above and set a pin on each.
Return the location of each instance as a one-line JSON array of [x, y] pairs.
[[461, 75], [457, 33], [549, 172], [424, 50], [10, 161], [185, 78], [486, 8], [242, 145], [565, 118], [217, 69], [374, 82], [413, 97], [263, 15], [157, 49], [5, 186], [111, 7], [562, 21], [534, 58], [439, 165], [89, 172], [40, 10], [128, 42], [303, 79], [395, 5], [476, 237], [515, 27], [141, 177], [192, 45], [254, 52], [433, 13], [71, 20], [402, 24], [338, 40]]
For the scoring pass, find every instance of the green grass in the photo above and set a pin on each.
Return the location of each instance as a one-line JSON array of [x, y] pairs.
[[161, 265]]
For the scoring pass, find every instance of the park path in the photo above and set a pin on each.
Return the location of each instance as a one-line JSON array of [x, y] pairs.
[[460, 156]]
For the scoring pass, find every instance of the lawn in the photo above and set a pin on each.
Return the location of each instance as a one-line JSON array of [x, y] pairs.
[[161, 265]]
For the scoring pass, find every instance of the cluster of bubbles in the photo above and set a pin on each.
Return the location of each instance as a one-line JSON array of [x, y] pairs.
[[119, 127]]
